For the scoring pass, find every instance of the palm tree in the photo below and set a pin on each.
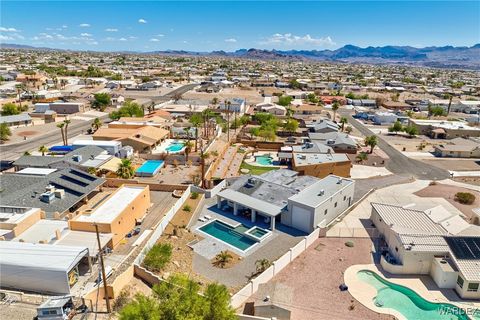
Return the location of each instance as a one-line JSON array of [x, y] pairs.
[[97, 123], [43, 150], [67, 122], [371, 141], [188, 148], [262, 265], [125, 169], [61, 126], [361, 157], [227, 104], [223, 258], [196, 120], [343, 121], [335, 107], [203, 156]]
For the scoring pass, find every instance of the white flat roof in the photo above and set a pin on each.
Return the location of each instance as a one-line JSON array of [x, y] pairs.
[[85, 239], [43, 230], [96, 143], [37, 171], [15, 215], [112, 207]]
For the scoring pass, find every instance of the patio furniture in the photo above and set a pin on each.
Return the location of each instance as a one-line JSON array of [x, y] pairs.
[[208, 217], [201, 219]]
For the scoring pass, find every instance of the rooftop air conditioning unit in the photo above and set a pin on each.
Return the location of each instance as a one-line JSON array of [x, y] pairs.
[[77, 158], [321, 193], [50, 188], [59, 193]]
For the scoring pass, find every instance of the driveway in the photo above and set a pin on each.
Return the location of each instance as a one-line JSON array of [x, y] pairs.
[[399, 163]]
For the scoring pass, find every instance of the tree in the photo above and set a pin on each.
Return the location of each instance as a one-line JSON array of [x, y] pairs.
[[196, 120], [343, 121], [203, 157], [361, 157], [158, 256], [218, 303], [335, 107], [97, 123], [27, 153], [43, 150], [291, 125], [348, 129], [5, 132], [371, 141], [215, 101], [141, 308], [9, 109], [267, 133], [67, 122], [412, 131], [311, 97], [125, 169], [284, 100], [188, 149], [254, 132], [295, 84], [128, 109], [61, 126], [262, 265], [223, 258], [102, 101], [436, 111], [396, 127]]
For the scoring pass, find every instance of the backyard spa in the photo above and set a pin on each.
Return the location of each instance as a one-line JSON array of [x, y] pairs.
[[264, 159], [404, 297], [170, 146]]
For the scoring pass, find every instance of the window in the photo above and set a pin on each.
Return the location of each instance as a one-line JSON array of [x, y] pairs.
[[473, 287], [335, 204], [326, 210], [460, 282], [344, 198]]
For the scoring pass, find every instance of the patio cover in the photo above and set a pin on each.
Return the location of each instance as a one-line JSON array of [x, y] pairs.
[[262, 207]]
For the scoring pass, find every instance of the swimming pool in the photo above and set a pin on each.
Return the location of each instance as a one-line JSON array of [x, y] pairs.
[[175, 146], [408, 302], [149, 168], [228, 234], [258, 233], [265, 160]]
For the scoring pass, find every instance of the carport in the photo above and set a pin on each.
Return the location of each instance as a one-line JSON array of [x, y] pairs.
[[256, 206]]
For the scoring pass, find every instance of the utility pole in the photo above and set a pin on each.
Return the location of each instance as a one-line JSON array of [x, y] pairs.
[[104, 276]]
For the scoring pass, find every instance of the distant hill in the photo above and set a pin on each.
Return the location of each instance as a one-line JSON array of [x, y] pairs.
[[443, 57]]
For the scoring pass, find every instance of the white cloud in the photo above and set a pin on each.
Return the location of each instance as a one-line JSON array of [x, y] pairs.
[[154, 40], [122, 39], [64, 26], [111, 30], [84, 25], [3, 29], [160, 35], [289, 40], [132, 38], [232, 40], [86, 34], [3, 38], [142, 21]]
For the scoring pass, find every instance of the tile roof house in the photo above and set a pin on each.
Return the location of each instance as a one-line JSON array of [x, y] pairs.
[[142, 138]]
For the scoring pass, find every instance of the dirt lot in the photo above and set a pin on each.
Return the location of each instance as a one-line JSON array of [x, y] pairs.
[[455, 164], [252, 95], [315, 276], [448, 193], [470, 180]]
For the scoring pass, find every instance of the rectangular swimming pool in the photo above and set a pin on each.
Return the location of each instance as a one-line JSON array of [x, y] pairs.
[[228, 234], [149, 168]]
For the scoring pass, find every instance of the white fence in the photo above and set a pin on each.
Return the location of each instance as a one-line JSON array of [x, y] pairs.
[[162, 225], [209, 193], [278, 265]]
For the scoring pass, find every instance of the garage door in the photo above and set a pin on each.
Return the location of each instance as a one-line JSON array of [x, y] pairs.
[[301, 219]]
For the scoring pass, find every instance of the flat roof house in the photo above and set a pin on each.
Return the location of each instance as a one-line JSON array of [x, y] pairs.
[[22, 119], [237, 105], [41, 268], [117, 214], [458, 148], [321, 165], [444, 129], [340, 142], [430, 242], [302, 202], [15, 220]]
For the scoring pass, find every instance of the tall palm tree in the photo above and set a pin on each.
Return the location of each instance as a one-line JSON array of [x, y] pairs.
[[125, 169], [343, 121], [371, 141], [61, 126], [203, 156], [196, 120], [227, 104], [67, 122], [43, 150], [335, 107], [223, 258], [188, 149]]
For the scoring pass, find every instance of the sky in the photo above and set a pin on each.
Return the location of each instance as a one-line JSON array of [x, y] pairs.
[[231, 25]]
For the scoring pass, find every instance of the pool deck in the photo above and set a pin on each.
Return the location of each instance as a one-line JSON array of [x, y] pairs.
[[162, 148], [423, 285], [275, 161]]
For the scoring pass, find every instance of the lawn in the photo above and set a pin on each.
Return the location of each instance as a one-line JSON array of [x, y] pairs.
[[256, 170]]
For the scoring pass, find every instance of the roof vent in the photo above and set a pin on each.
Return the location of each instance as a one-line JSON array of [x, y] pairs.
[[321, 193], [77, 158]]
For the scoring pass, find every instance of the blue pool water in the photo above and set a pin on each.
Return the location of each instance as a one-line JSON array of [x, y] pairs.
[[149, 168], [258, 232], [264, 160], [408, 302], [228, 234], [175, 146]]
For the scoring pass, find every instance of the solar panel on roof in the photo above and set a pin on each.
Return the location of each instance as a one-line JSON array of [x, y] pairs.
[[466, 248]]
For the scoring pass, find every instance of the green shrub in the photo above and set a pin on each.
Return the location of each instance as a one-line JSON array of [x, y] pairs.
[[158, 256], [187, 208], [349, 244], [465, 197], [194, 195]]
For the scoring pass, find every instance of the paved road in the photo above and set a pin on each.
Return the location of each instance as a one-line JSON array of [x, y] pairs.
[[399, 163], [15, 150]]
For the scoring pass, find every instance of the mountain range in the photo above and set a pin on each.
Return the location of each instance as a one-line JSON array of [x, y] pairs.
[[443, 57]]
